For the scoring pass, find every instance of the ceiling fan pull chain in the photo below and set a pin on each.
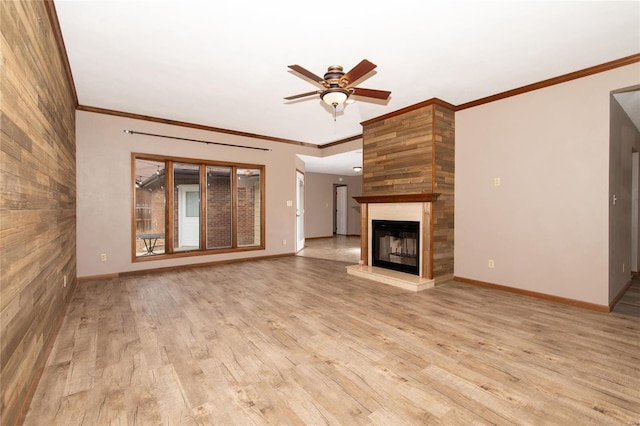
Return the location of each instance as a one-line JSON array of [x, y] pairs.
[[334, 112]]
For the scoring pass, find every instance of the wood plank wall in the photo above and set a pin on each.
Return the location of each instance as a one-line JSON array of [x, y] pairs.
[[397, 154], [413, 152], [444, 184], [37, 199]]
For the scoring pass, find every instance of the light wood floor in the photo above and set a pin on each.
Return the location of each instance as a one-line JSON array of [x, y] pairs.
[[629, 304], [340, 247], [296, 340]]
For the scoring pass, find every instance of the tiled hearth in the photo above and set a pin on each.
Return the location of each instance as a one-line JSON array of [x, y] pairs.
[[388, 276]]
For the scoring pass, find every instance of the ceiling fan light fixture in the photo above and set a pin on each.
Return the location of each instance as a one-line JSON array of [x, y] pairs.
[[357, 169], [334, 96]]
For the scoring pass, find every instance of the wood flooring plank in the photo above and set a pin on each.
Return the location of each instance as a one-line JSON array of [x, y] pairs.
[[173, 406]]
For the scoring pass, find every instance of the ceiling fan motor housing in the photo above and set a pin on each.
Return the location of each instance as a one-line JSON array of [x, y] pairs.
[[333, 75]]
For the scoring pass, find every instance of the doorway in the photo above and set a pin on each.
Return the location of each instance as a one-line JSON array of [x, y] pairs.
[[299, 210], [624, 145], [340, 210], [188, 216]]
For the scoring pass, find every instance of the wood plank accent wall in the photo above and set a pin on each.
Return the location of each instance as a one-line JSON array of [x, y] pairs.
[[397, 154], [444, 183], [37, 199], [413, 152]]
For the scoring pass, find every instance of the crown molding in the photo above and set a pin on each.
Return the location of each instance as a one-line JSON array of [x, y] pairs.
[[341, 141], [432, 101], [190, 125], [627, 60]]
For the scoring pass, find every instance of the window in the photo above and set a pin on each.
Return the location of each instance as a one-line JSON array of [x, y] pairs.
[[149, 192], [249, 195], [186, 206], [189, 207]]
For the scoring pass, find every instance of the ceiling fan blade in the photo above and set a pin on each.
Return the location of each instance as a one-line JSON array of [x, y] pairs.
[[371, 93], [359, 71], [302, 95], [306, 73]]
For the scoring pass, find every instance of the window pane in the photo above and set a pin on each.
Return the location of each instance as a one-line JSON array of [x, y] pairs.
[[218, 207], [193, 204], [150, 207], [186, 207], [249, 207]]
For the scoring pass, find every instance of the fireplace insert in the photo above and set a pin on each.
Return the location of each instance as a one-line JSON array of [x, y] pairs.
[[396, 245]]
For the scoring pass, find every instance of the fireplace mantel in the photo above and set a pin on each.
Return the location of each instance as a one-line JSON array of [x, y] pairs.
[[399, 198]]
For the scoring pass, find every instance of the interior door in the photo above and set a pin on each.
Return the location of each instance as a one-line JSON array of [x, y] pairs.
[[189, 216], [341, 210], [299, 211]]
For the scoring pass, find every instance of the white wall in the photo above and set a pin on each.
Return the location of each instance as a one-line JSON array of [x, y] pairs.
[[104, 186], [319, 203], [546, 225]]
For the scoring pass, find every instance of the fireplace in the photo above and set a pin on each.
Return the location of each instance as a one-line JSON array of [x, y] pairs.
[[396, 245], [408, 160], [395, 240]]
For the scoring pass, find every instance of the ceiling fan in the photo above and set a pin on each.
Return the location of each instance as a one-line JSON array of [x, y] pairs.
[[336, 84]]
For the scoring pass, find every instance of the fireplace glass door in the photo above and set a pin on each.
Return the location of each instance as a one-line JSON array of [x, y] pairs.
[[396, 245]]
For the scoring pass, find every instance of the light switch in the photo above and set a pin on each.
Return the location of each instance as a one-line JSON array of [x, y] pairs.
[[496, 181], [289, 203]]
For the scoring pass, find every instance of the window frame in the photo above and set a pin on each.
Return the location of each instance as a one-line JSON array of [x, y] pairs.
[[169, 207]]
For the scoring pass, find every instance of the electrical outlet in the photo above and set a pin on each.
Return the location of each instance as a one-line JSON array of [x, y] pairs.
[[284, 242], [496, 181], [490, 264], [103, 257]]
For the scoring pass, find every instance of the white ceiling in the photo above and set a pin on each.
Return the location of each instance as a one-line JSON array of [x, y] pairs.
[[337, 164], [224, 64]]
